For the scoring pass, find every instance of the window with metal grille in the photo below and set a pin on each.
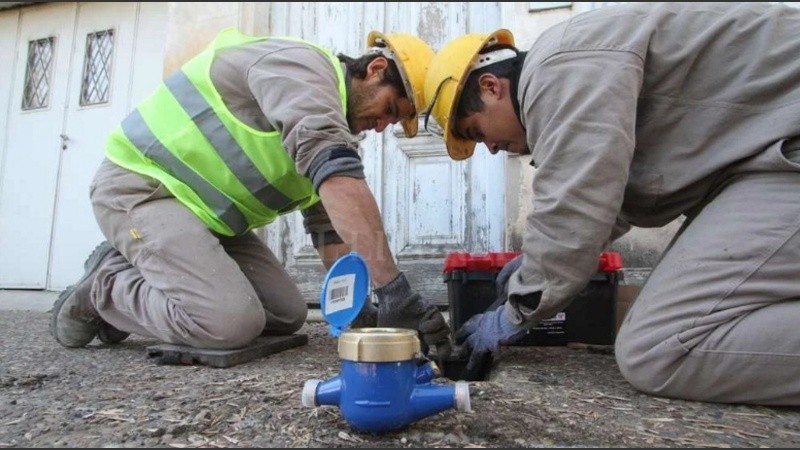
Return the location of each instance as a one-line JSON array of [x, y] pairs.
[[36, 94], [97, 68]]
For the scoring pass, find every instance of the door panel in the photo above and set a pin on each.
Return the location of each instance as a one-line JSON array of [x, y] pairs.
[[430, 204], [9, 20], [32, 153]]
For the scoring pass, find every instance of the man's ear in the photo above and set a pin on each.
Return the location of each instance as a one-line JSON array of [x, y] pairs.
[[376, 67], [490, 85]]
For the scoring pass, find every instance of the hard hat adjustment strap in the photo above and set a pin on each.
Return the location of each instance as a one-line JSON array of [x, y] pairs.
[[427, 113], [487, 59]]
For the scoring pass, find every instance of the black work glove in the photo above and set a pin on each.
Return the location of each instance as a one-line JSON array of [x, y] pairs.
[[367, 318], [399, 307]]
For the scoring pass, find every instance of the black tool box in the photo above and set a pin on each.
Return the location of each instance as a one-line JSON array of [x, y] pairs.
[[589, 319]]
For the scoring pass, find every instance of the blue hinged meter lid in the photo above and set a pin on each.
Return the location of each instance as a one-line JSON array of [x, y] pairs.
[[344, 292]]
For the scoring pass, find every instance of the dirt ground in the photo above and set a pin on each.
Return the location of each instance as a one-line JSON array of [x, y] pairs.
[[104, 396]]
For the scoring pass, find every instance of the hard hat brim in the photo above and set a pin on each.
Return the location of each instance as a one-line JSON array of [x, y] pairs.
[[410, 126], [459, 149]]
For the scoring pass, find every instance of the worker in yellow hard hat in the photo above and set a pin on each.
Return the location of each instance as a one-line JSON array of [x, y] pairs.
[[250, 129], [636, 115]]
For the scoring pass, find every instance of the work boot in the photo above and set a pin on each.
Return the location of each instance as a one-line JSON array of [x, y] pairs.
[[74, 321], [107, 333]]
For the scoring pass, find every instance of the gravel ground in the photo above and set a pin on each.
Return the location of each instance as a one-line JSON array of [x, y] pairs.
[[115, 396]]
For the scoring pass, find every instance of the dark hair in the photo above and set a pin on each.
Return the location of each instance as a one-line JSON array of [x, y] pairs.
[[470, 99], [357, 67]]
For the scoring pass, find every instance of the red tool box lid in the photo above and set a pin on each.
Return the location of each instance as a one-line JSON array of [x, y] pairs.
[[479, 261], [492, 261]]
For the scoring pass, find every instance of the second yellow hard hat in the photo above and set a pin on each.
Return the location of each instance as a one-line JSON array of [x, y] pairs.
[[447, 73]]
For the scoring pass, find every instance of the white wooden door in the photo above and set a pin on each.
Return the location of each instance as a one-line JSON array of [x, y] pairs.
[[97, 60], [431, 205], [121, 63], [32, 154]]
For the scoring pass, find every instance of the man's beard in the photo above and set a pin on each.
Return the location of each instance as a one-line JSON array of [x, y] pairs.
[[355, 104]]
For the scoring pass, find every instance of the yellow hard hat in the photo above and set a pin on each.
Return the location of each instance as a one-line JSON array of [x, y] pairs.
[[447, 74], [412, 56]]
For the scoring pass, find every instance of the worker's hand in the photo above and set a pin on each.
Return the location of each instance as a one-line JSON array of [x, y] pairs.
[[399, 307], [367, 318], [482, 335], [501, 282]]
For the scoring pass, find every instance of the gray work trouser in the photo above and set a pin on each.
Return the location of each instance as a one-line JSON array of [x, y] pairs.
[[175, 280], [719, 317]]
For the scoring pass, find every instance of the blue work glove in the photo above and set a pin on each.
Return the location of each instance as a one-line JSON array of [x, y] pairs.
[[399, 307], [482, 335], [501, 281]]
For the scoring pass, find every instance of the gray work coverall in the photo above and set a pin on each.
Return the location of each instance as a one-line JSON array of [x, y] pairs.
[[638, 115], [174, 279]]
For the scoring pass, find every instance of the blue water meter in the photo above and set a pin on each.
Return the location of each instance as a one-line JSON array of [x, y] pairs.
[[383, 385]]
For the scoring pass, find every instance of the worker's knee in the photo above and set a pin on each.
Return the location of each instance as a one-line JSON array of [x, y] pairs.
[[287, 321], [298, 319], [236, 326], [629, 361], [650, 364]]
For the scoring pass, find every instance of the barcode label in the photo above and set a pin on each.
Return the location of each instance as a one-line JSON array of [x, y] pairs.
[[339, 293]]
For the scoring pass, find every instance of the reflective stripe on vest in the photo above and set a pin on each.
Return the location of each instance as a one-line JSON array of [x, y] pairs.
[[229, 150], [136, 130]]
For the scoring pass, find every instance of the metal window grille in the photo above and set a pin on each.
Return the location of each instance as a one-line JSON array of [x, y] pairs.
[[36, 94], [96, 79]]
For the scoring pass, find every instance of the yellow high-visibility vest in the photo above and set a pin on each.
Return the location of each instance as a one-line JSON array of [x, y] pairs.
[[234, 178]]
